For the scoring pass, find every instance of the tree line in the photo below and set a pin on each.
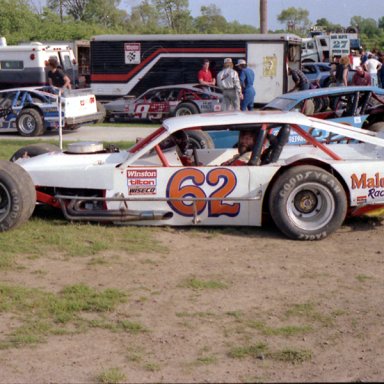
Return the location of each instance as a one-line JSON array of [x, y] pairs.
[[28, 20]]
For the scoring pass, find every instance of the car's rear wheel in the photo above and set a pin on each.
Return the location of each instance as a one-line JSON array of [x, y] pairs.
[[30, 123], [17, 195], [307, 203], [101, 109], [186, 109], [34, 150]]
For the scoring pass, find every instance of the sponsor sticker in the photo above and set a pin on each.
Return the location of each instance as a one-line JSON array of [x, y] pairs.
[[374, 184], [132, 53], [142, 182]]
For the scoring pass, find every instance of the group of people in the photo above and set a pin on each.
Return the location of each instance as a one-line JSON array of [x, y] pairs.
[[370, 71], [237, 86]]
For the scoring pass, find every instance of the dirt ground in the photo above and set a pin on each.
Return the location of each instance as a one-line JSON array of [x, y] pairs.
[[329, 293]]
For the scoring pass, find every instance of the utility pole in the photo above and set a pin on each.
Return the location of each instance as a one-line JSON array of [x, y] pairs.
[[263, 16]]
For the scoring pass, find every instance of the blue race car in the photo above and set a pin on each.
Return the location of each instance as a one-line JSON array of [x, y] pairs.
[[358, 106], [33, 110]]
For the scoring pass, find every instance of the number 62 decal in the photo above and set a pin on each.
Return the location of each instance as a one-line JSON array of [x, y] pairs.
[[224, 178]]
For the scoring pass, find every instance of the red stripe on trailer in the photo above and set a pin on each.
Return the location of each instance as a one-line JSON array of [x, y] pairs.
[[124, 77]]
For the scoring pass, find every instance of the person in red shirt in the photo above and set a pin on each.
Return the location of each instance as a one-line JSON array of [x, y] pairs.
[[361, 77], [205, 75]]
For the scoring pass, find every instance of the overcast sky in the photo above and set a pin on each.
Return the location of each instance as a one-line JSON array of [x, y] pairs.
[[247, 11]]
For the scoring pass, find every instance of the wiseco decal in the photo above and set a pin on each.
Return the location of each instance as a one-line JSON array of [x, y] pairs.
[[375, 184], [179, 186]]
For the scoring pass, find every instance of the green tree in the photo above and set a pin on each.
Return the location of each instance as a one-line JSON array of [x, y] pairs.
[[328, 26], [211, 20], [106, 13], [296, 19], [144, 19], [17, 21], [175, 15]]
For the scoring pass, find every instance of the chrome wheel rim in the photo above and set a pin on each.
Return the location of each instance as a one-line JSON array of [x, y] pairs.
[[311, 206]]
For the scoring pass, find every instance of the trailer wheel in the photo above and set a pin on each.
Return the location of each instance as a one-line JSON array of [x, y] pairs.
[[34, 150], [101, 108], [377, 127], [307, 203], [186, 109], [30, 123], [200, 140], [17, 195]]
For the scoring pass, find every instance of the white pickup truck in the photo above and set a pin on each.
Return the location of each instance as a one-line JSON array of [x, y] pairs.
[[34, 110]]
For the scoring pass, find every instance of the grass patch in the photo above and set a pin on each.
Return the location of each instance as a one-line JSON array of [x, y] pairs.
[[206, 360], [43, 314], [197, 284], [111, 376], [199, 315], [288, 330], [40, 236], [294, 356], [151, 367], [308, 311], [261, 351], [255, 351], [362, 278]]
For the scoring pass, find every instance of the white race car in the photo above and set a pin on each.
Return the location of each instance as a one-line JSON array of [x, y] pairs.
[[308, 190]]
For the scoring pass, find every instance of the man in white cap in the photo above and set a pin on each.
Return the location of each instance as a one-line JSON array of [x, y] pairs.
[[228, 80], [247, 78]]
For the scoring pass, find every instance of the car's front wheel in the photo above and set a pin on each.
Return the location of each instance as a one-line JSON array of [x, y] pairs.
[[186, 109], [30, 123], [17, 195], [307, 203]]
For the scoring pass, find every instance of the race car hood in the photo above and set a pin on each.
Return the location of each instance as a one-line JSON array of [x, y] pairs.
[[93, 171]]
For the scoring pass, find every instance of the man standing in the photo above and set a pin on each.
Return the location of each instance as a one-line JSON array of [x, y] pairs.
[[56, 76], [229, 82], [247, 78], [205, 75], [372, 66]]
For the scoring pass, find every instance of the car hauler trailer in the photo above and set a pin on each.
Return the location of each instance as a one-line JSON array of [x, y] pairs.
[[130, 64], [25, 64]]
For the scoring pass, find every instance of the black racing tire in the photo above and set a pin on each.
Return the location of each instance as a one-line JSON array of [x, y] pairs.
[[17, 195], [29, 122], [307, 203], [184, 109], [101, 108], [200, 140], [377, 127], [34, 150]]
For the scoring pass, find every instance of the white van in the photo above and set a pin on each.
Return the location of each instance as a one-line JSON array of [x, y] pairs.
[[25, 64]]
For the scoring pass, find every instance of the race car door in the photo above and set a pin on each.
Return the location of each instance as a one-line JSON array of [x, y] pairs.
[[230, 195]]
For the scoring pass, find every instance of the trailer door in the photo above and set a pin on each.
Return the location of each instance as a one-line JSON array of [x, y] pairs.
[[267, 61]]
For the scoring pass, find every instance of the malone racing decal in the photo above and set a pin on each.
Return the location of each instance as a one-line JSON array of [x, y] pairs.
[[375, 184], [142, 182]]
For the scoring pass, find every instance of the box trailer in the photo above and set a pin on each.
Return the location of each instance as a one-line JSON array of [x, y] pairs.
[[130, 64]]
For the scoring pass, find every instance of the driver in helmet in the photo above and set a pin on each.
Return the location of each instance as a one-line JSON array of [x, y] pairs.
[[247, 141]]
